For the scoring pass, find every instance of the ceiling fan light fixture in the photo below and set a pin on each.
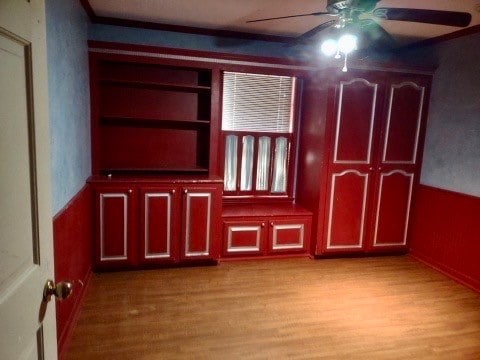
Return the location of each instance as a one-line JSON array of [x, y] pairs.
[[329, 47], [347, 43]]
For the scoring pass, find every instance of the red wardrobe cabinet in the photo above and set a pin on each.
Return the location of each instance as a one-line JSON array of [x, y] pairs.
[[261, 230], [144, 223], [376, 126]]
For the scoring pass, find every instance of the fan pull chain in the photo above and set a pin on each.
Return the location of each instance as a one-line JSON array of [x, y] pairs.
[[344, 69]]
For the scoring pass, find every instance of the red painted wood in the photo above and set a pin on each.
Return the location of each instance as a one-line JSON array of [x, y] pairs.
[[127, 148], [197, 209], [354, 121], [158, 242], [149, 73], [444, 233], [72, 238], [243, 210], [149, 103], [347, 210], [201, 222], [114, 223], [403, 124], [144, 112], [243, 222], [393, 209], [289, 235], [244, 237], [113, 226], [392, 165], [314, 145]]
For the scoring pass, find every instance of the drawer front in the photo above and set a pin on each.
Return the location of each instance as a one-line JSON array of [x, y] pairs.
[[289, 235], [243, 237]]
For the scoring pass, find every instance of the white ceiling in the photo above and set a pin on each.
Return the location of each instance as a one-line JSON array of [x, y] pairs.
[[232, 15]]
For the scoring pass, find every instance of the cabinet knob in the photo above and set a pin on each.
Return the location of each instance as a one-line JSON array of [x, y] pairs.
[[172, 191], [371, 168], [185, 191], [271, 224], [263, 224], [130, 191]]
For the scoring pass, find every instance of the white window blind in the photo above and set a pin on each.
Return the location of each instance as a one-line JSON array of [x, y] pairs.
[[257, 103]]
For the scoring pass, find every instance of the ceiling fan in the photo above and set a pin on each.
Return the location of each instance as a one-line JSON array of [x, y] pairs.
[[360, 16]]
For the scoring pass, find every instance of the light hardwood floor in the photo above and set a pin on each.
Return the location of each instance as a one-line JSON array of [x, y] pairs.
[[362, 308]]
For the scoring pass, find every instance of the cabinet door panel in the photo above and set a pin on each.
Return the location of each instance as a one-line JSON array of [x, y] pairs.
[[347, 208], [243, 237], [113, 226], [157, 229], [289, 235], [354, 123], [197, 214], [393, 207], [403, 123]]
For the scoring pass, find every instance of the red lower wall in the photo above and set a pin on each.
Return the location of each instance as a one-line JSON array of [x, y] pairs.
[[72, 236], [445, 233]]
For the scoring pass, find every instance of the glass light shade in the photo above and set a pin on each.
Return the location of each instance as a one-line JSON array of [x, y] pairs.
[[347, 43], [329, 47]]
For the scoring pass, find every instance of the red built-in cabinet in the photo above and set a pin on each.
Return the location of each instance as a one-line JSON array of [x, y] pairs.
[[154, 158], [157, 151], [376, 123], [146, 223], [265, 230]]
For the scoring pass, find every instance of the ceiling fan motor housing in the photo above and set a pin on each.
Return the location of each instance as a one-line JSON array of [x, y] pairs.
[[338, 6]]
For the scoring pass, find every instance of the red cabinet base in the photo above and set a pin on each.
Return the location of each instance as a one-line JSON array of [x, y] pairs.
[[148, 222], [261, 230]]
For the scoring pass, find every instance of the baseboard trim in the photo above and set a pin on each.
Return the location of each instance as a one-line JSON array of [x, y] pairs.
[[459, 277], [66, 336]]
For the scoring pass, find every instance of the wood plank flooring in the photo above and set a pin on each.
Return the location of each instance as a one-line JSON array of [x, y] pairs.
[[362, 308]]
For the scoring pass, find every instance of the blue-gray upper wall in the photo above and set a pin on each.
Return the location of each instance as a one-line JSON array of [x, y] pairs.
[[451, 157], [197, 42], [69, 99]]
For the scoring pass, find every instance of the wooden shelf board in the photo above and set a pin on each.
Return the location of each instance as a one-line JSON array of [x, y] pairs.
[[153, 170], [155, 122], [157, 85]]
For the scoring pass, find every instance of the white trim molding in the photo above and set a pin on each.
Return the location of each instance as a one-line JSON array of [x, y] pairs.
[[233, 229], [407, 215], [338, 123], [146, 239], [124, 197], [421, 89], [298, 245], [362, 220]]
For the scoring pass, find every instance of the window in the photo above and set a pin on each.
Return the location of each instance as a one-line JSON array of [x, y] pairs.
[[257, 125]]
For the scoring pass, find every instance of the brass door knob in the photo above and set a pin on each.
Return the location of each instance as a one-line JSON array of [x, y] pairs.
[[61, 290]]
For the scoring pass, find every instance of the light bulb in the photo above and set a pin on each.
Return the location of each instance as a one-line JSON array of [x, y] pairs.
[[347, 43], [329, 47]]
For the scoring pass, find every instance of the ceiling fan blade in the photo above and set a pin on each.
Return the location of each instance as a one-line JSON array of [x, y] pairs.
[[289, 16], [438, 17], [375, 35], [314, 31]]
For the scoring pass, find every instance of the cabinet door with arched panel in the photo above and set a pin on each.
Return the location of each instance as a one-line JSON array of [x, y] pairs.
[[399, 163], [355, 126]]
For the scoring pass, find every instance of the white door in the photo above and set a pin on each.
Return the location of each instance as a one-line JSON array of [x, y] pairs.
[[26, 246]]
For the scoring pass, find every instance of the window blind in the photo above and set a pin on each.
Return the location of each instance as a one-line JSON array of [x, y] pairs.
[[257, 103]]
